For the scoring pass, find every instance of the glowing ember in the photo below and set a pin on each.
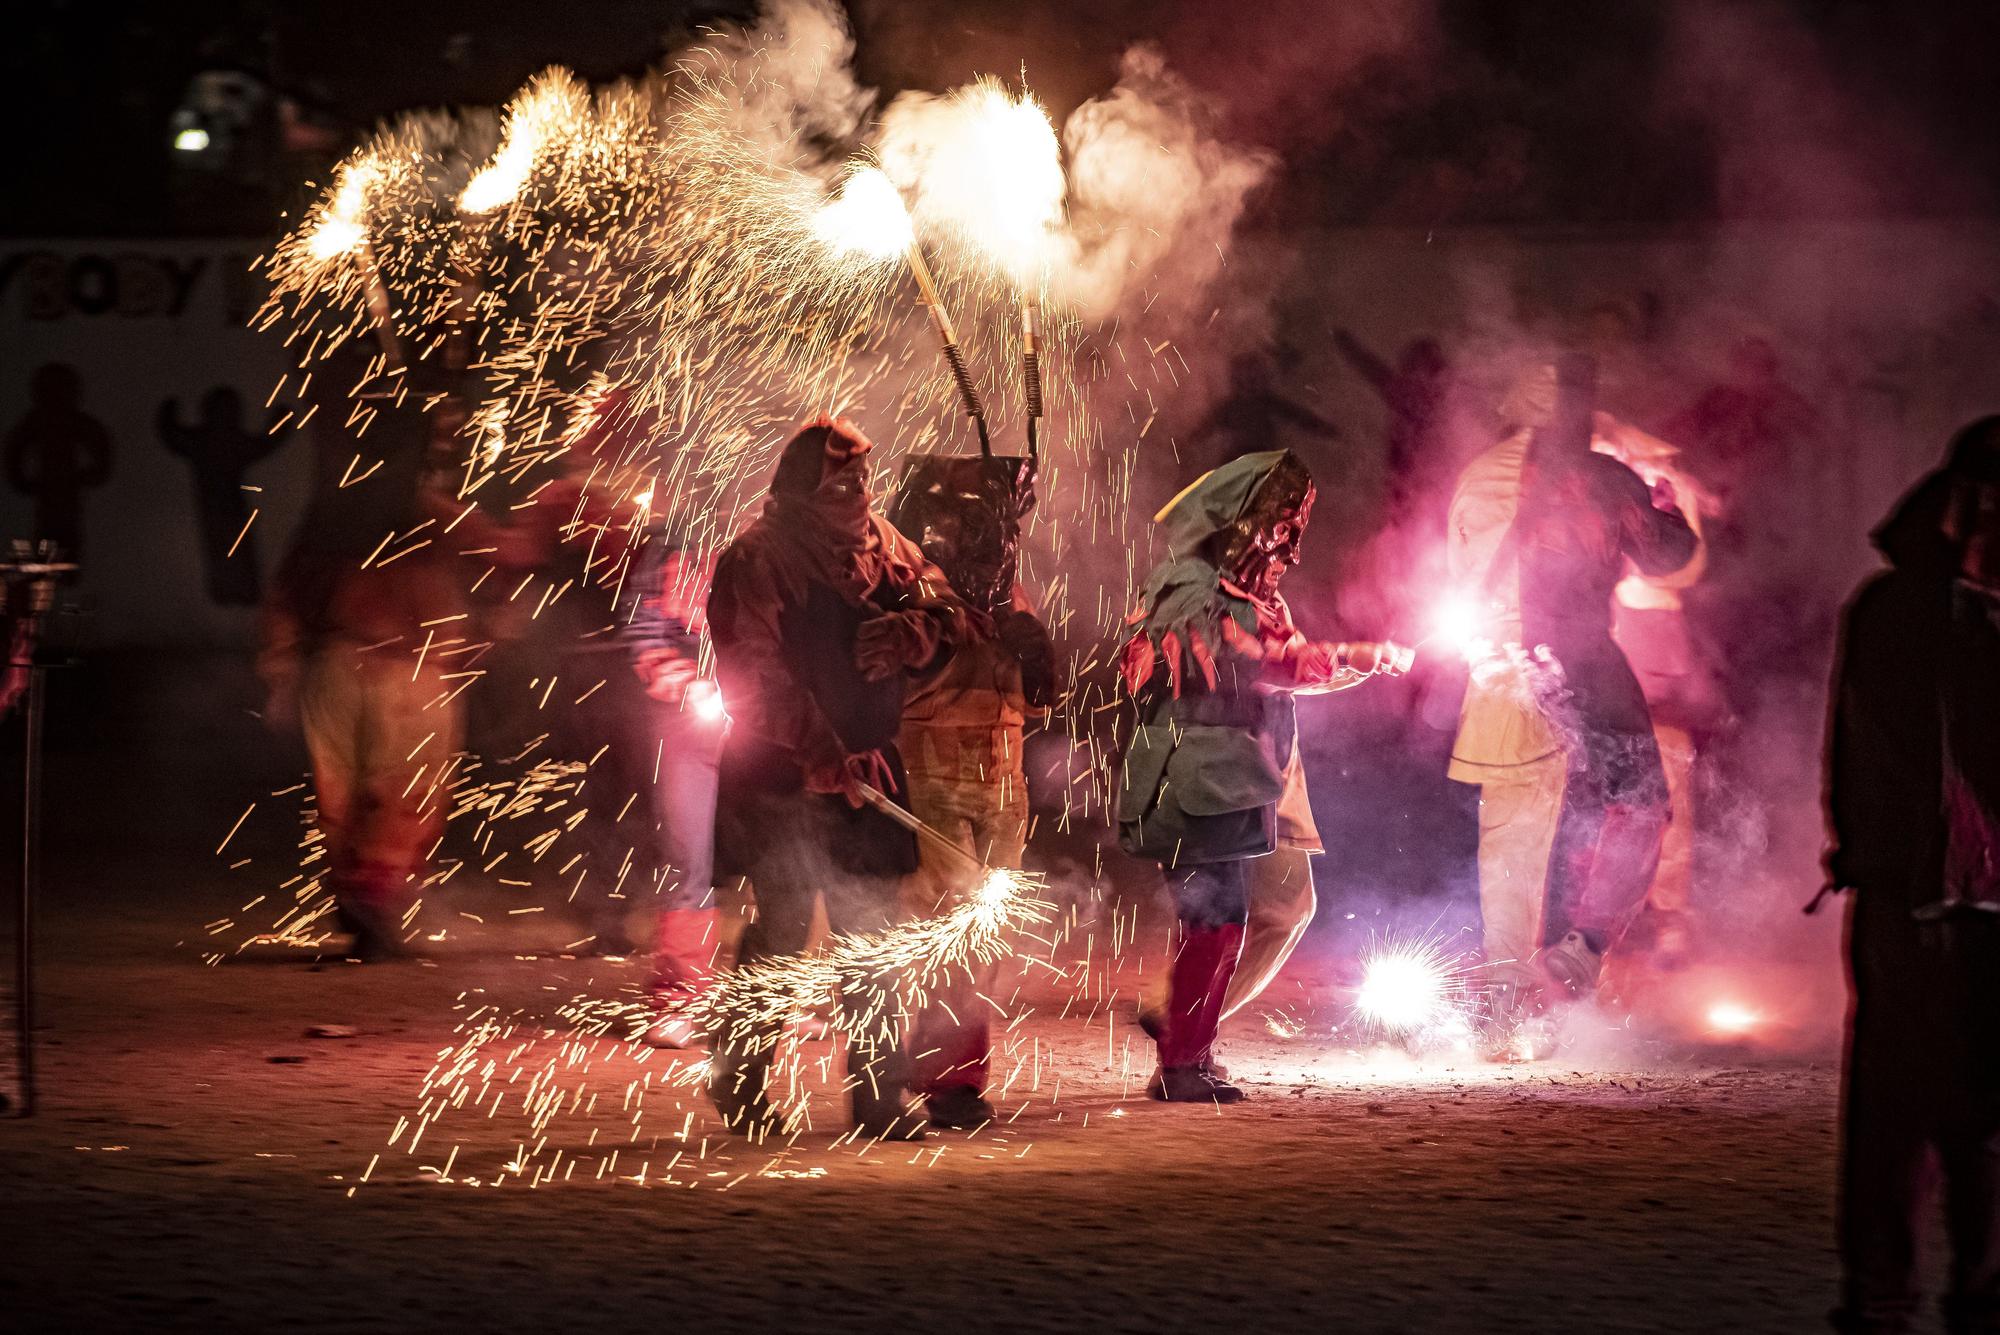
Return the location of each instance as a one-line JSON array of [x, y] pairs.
[[866, 218], [1729, 1017]]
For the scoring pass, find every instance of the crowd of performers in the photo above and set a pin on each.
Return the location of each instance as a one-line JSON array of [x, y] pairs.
[[864, 655]]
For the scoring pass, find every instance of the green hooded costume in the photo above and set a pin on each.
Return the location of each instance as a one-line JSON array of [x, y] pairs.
[[1203, 771]]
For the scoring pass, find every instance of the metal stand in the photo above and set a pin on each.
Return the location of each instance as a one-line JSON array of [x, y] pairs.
[[35, 712], [30, 572]]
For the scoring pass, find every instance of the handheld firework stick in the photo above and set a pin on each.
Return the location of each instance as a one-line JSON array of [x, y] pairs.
[[343, 229], [869, 217], [1031, 373], [378, 305], [954, 355], [883, 803]]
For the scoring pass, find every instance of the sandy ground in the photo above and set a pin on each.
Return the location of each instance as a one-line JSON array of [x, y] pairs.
[[198, 1161]]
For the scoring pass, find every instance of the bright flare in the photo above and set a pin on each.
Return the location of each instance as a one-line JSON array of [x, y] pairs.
[[1021, 165], [1729, 1017], [705, 699], [866, 218], [1405, 988], [1456, 622], [986, 167]]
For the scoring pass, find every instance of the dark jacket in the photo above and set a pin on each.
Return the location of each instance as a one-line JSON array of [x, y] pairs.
[[784, 653]]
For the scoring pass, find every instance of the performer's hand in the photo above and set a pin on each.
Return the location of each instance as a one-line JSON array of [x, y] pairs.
[[1387, 658], [1664, 495], [887, 644], [1027, 641], [846, 777], [869, 767], [667, 675]]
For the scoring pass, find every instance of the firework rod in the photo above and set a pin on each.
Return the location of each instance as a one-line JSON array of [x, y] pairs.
[[378, 304], [961, 374], [1031, 368], [887, 805]]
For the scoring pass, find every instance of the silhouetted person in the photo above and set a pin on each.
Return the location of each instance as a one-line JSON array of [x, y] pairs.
[[1744, 429], [1913, 802], [220, 451], [1413, 391], [1251, 418], [55, 453], [1746, 439]]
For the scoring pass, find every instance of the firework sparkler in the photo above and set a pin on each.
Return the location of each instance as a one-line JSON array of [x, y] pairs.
[[1414, 992], [869, 218], [342, 229]]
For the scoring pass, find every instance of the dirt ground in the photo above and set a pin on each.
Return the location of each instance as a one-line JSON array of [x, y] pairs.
[[199, 1158]]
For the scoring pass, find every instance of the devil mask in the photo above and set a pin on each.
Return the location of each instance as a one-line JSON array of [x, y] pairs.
[[1268, 536], [966, 512]]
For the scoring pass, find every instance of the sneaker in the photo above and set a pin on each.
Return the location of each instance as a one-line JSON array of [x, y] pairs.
[[1570, 967], [1191, 1084], [960, 1108]]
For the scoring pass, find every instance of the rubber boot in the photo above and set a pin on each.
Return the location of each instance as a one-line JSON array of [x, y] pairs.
[[1197, 984]]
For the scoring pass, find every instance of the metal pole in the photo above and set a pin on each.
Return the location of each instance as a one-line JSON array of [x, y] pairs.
[[24, 945], [889, 807]]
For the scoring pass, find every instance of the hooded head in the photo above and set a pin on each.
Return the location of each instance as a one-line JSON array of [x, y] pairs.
[[1949, 523], [965, 512], [1972, 512], [1249, 517], [826, 466]]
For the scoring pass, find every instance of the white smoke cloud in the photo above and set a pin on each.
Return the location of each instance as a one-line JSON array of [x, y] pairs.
[[791, 79], [1152, 191]]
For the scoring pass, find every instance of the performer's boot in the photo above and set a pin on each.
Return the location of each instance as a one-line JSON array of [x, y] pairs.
[[740, 1077], [1570, 967], [880, 1075], [1198, 980], [683, 969], [368, 902]]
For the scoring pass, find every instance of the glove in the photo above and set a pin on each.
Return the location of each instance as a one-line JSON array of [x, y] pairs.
[[888, 644], [846, 778]]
